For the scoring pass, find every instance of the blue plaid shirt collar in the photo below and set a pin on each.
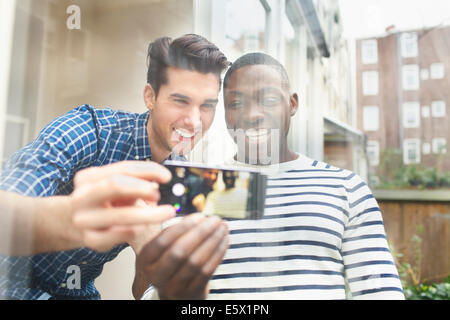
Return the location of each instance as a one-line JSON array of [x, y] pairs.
[[142, 146]]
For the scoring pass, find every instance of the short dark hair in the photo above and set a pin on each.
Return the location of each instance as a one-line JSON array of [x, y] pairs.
[[256, 58], [189, 52]]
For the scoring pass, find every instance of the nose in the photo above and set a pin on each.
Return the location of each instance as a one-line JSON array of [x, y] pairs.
[[253, 115], [193, 120]]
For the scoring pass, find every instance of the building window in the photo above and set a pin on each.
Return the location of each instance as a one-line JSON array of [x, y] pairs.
[[439, 145], [371, 118], [411, 115], [425, 111], [243, 33], [411, 151], [369, 51], [438, 108], [373, 152], [374, 181], [410, 77], [370, 83], [426, 148], [424, 74], [437, 71], [409, 47]]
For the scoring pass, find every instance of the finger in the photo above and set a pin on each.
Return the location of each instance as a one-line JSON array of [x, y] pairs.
[[155, 248], [179, 252], [197, 260], [116, 188], [202, 279], [147, 170], [105, 240], [107, 217]]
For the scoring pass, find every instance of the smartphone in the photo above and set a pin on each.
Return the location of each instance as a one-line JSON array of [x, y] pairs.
[[223, 191]]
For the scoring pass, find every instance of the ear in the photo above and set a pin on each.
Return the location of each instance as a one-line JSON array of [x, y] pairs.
[[293, 104], [149, 97]]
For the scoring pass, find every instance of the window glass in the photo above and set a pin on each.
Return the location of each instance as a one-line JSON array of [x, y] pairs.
[[411, 115], [373, 152], [438, 108], [409, 45], [245, 27], [410, 77], [439, 145], [424, 74], [437, 71], [426, 148], [425, 111], [369, 51], [371, 118], [370, 83], [411, 151]]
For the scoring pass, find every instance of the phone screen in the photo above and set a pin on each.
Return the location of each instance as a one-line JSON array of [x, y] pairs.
[[225, 192]]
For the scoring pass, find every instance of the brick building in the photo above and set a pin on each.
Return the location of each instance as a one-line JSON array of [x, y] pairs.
[[403, 81]]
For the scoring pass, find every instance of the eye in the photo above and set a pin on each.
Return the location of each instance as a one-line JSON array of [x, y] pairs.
[[181, 101], [208, 106], [269, 101], [235, 104]]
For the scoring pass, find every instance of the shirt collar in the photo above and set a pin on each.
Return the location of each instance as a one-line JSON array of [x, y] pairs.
[[141, 144]]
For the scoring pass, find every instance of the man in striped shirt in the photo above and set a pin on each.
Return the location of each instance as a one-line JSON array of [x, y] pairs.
[[322, 230]]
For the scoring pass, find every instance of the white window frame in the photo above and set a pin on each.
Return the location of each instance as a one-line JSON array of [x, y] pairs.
[[436, 143], [426, 112], [370, 85], [369, 51], [373, 145], [406, 144], [410, 71], [426, 148], [409, 45], [438, 112], [437, 70], [26, 128], [424, 74], [371, 118], [7, 17], [411, 108]]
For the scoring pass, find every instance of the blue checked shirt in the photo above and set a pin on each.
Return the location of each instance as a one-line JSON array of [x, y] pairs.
[[81, 138]]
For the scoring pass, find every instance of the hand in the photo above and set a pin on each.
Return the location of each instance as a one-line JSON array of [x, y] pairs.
[[104, 202], [199, 202], [180, 261]]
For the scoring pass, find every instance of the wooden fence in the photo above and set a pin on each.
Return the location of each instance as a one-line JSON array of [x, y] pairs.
[[404, 212]]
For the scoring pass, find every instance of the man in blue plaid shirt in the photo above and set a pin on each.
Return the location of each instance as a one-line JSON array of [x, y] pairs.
[[96, 206]]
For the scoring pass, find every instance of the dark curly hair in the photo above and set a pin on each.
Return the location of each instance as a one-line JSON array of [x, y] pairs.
[[189, 52]]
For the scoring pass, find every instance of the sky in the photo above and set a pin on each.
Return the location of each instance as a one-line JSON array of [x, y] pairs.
[[365, 18]]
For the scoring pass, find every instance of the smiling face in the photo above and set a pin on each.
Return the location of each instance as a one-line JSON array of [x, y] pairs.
[[182, 112], [257, 103]]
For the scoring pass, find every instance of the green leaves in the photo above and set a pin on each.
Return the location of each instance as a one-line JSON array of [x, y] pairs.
[[438, 291]]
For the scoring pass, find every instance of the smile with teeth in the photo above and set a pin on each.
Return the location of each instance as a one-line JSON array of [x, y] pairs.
[[184, 133], [256, 134]]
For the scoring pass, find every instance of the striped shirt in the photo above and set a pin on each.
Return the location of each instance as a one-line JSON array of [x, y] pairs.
[[322, 237]]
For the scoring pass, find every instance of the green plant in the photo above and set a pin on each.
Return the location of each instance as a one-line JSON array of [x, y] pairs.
[[393, 174], [410, 274], [436, 291]]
